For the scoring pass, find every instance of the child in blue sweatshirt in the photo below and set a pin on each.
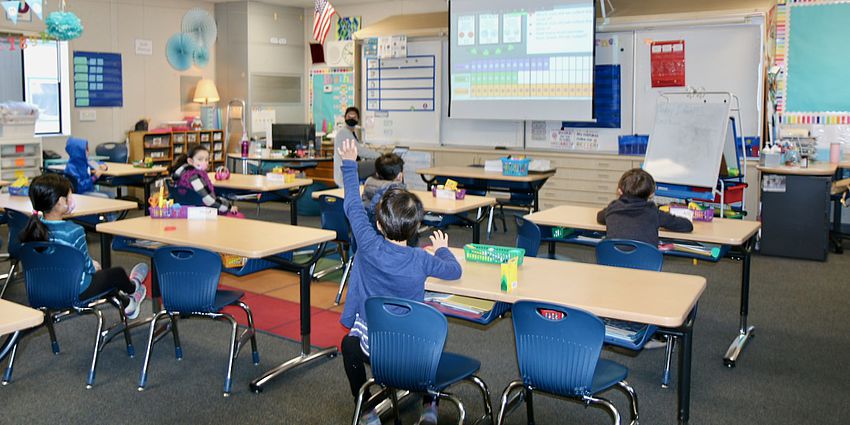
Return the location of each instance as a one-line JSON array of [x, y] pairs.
[[385, 266], [80, 169], [52, 199]]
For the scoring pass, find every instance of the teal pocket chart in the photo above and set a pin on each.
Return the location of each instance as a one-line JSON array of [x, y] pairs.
[[97, 80]]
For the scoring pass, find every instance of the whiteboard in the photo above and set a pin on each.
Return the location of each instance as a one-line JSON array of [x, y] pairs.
[[388, 123], [686, 143]]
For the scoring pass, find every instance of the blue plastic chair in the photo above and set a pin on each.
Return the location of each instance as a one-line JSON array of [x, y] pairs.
[[634, 255], [188, 284], [332, 214], [558, 350], [528, 236], [406, 341], [17, 221], [115, 152], [53, 273]]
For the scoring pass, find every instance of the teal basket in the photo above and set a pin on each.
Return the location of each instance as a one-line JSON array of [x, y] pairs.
[[515, 167], [491, 254]]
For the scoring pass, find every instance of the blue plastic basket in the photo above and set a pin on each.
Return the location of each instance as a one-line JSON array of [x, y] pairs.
[[515, 167], [633, 144]]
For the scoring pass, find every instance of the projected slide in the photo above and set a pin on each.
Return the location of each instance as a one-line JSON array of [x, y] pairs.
[[522, 60]]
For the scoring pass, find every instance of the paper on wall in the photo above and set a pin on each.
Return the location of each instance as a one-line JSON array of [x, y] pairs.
[[584, 139], [394, 46]]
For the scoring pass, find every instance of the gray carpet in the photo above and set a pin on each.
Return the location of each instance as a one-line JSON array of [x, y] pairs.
[[793, 372]]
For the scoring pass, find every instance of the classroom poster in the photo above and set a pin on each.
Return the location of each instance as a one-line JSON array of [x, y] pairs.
[[668, 63], [331, 91], [97, 80]]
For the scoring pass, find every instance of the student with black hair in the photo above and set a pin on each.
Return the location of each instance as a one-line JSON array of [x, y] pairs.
[[389, 174], [189, 173], [349, 132], [385, 266], [51, 198]]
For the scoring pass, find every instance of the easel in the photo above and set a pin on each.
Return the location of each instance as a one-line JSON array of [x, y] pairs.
[[729, 189]]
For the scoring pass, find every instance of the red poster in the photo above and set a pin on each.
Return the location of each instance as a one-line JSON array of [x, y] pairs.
[[668, 63]]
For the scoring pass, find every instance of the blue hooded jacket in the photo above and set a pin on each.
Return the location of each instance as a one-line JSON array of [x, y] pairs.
[[78, 169]]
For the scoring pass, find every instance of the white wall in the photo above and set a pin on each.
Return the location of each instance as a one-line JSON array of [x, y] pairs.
[[151, 86]]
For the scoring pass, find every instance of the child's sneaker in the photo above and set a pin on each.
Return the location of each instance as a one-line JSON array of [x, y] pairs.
[[139, 274], [136, 298], [370, 418]]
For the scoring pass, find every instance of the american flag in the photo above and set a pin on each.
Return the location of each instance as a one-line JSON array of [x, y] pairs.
[[322, 19]]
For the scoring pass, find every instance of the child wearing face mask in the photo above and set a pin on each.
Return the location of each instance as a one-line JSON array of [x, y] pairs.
[[189, 173], [51, 198], [349, 132]]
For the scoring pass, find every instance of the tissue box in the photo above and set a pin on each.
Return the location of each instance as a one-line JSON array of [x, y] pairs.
[[683, 212], [493, 165], [201, 213], [510, 270], [771, 159]]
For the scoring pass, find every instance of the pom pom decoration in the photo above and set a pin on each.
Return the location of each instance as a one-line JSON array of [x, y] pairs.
[[180, 51], [64, 26]]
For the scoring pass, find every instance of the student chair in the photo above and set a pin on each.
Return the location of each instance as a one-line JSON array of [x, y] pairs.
[[115, 152], [406, 341], [558, 350], [188, 284], [17, 221], [332, 214], [633, 255], [53, 273]]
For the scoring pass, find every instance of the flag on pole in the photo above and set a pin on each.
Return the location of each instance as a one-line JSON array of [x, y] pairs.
[[322, 19]]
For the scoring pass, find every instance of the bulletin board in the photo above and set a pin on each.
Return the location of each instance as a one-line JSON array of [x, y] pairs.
[[331, 91], [812, 47]]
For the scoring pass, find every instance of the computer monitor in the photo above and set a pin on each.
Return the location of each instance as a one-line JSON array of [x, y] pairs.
[[290, 136]]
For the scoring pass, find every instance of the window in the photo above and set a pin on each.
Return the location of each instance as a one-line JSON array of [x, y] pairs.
[[45, 71]]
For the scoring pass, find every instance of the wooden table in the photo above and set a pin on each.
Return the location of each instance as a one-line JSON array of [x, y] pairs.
[[299, 163], [476, 178], [667, 300], [244, 183], [119, 174], [15, 318], [817, 169], [432, 204], [739, 234], [246, 238], [86, 206]]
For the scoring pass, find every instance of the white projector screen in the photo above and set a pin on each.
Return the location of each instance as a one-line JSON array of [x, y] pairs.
[[521, 59]]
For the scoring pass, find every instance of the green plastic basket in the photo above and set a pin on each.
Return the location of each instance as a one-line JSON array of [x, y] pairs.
[[491, 254]]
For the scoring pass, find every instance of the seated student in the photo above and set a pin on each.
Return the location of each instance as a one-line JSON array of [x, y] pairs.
[[189, 173], [82, 171], [51, 199], [633, 216], [389, 173], [385, 266]]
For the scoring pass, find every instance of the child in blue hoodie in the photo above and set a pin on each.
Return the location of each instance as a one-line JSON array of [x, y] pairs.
[[80, 170]]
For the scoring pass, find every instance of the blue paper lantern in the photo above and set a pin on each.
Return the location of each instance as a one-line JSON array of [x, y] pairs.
[[63, 26], [180, 51]]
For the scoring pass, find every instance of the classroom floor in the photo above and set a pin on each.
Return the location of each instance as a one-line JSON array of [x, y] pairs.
[[793, 372]]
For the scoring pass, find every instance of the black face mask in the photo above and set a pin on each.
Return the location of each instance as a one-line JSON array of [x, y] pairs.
[[351, 122]]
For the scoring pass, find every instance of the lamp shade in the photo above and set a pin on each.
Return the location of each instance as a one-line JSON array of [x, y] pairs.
[[205, 92]]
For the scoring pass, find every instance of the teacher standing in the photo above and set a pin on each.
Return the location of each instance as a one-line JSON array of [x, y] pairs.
[[349, 132]]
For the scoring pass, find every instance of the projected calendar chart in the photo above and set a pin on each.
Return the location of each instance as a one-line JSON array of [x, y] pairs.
[[538, 58], [401, 84]]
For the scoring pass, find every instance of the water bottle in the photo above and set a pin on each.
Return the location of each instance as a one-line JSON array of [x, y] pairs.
[[245, 145]]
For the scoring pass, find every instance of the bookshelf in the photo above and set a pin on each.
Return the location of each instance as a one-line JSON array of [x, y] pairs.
[[163, 147]]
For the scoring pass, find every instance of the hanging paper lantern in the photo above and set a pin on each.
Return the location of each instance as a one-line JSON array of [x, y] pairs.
[[180, 51], [63, 25], [202, 57]]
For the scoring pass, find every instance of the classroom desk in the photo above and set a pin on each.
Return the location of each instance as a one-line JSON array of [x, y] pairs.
[[436, 205], [795, 213], [119, 170], [476, 178], [297, 163], [241, 183], [86, 206], [734, 233], [59, 161], [15, 318], [667, 300], [247, 238]]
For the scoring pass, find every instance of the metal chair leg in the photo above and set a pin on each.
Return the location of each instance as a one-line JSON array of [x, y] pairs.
[[606, 405], [234, 336], [633, 400], [255, 355], [48, 322], [394, 402], [529, 405], [7, 375], [345, 274], [178, 348], [490, 223], [131, 351], [503, 404], [665, 379], [456, 401], [359, 404], [143, 378], [485, 395], [9, 277], [97, 341], [502, 217]]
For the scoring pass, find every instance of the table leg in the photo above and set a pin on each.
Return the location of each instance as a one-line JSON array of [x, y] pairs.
[[745, 332], [147, 188], [684, 385], [293, 211], [307, 355], [105, 250], [837, 238]]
